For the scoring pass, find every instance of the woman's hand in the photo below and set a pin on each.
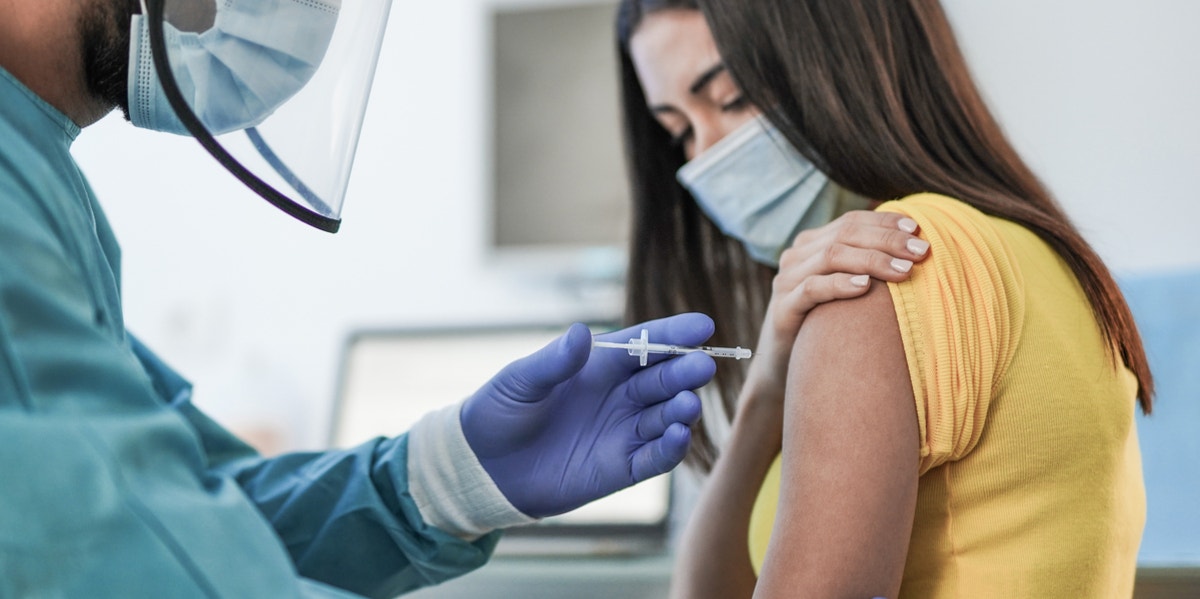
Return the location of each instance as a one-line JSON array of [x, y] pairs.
[[836, 261]]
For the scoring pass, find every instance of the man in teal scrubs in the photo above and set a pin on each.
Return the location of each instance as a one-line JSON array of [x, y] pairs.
[[114, 484]]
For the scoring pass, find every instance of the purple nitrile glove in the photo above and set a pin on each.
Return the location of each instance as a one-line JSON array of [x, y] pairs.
[[566, 426]]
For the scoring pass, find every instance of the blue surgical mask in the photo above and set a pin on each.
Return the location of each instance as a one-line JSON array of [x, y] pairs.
[[759, 190], [257, 55]]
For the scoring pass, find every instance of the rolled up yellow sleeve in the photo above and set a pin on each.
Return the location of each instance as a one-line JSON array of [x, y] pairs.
[[960, 317]]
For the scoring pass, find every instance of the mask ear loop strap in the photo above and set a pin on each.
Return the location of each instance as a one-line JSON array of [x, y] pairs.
[[158, 49]]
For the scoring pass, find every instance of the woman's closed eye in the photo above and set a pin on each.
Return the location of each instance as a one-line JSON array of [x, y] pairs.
[[737, 104]]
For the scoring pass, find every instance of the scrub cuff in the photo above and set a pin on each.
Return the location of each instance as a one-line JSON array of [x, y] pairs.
[[449, 485]]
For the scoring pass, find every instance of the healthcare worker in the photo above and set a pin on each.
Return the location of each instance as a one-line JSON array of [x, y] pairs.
[[112, 482]]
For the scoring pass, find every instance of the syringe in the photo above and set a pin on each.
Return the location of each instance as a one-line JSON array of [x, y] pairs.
[[642, 348]]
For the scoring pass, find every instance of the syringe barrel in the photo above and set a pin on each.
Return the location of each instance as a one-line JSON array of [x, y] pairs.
[[737, 353], [642, 348]]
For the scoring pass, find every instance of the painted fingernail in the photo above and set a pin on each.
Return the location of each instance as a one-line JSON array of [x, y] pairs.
[[902, 265], [860, 280], [918, 246], [908, 225]]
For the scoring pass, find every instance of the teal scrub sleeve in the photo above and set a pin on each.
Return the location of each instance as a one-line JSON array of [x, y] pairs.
[[112, 483], [345, 517], [102, 488]]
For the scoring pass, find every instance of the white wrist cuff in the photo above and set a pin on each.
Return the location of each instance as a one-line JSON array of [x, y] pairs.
[[449, 485]]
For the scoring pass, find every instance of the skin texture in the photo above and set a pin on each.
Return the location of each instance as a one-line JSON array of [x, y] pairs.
[[673, 51], [830, 447], [850, 455], [48, 59], [82, 70]]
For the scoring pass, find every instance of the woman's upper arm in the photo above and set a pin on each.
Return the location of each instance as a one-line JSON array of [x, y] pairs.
[[850, 457]]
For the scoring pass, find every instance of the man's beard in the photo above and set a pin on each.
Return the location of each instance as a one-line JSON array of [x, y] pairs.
[[104, 31]]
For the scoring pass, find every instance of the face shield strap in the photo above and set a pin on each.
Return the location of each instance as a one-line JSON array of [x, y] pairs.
[[158, 46]]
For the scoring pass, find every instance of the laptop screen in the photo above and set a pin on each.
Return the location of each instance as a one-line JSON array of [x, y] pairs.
[[390, 379]]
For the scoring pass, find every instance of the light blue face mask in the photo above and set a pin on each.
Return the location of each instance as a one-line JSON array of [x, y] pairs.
[[256, 56], [759, 190]]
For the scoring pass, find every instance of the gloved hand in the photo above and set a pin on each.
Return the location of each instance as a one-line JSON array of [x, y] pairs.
[[568, 425]]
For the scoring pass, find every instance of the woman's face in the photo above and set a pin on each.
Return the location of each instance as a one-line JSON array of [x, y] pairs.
[[686, 85]]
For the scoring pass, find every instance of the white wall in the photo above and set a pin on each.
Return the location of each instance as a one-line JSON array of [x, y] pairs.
[[1101, 98], [1100, 95]]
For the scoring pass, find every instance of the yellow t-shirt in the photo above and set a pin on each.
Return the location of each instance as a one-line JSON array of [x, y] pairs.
[[1030, 475]]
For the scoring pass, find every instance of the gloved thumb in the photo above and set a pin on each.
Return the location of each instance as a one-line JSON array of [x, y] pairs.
[[532, 377]]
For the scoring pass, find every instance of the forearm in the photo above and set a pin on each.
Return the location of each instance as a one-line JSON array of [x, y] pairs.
[[347, 520], [713, 557], [387, 516]]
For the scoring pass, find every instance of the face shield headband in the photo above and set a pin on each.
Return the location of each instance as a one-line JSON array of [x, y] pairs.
[[301, 173]]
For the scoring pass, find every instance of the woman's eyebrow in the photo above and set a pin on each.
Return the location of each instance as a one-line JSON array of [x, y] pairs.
[[697, 86], [706, 77]]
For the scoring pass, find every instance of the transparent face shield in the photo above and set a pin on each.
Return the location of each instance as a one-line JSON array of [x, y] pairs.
[[275, 90]]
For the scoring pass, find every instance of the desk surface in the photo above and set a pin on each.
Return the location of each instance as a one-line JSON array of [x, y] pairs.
[[643, 577], [649, 577]]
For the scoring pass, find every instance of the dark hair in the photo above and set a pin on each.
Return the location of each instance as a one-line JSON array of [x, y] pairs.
[[878, 95], [104, 32], [679, 261]]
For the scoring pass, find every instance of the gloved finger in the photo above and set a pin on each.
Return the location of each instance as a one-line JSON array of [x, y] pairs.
[[653, 421], [662, 454], [532, 377], [666, 379], [691, 328]]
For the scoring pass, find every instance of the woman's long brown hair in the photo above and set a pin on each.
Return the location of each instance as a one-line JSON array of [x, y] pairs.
[[679, 261], [878, 95]]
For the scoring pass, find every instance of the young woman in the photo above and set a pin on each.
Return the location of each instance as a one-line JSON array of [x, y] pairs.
[[967, 431]]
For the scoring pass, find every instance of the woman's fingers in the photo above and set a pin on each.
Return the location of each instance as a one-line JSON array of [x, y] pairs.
[[848, 259], [879, 244], [838, 261], [790, 308], [884, 231]]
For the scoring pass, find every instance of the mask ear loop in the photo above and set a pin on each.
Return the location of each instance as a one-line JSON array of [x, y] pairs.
[[153, 10]]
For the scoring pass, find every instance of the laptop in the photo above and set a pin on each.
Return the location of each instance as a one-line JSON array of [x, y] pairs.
[[390, 378]]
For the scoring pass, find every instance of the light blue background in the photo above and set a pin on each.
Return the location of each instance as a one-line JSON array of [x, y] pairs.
[[1167, 309]]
